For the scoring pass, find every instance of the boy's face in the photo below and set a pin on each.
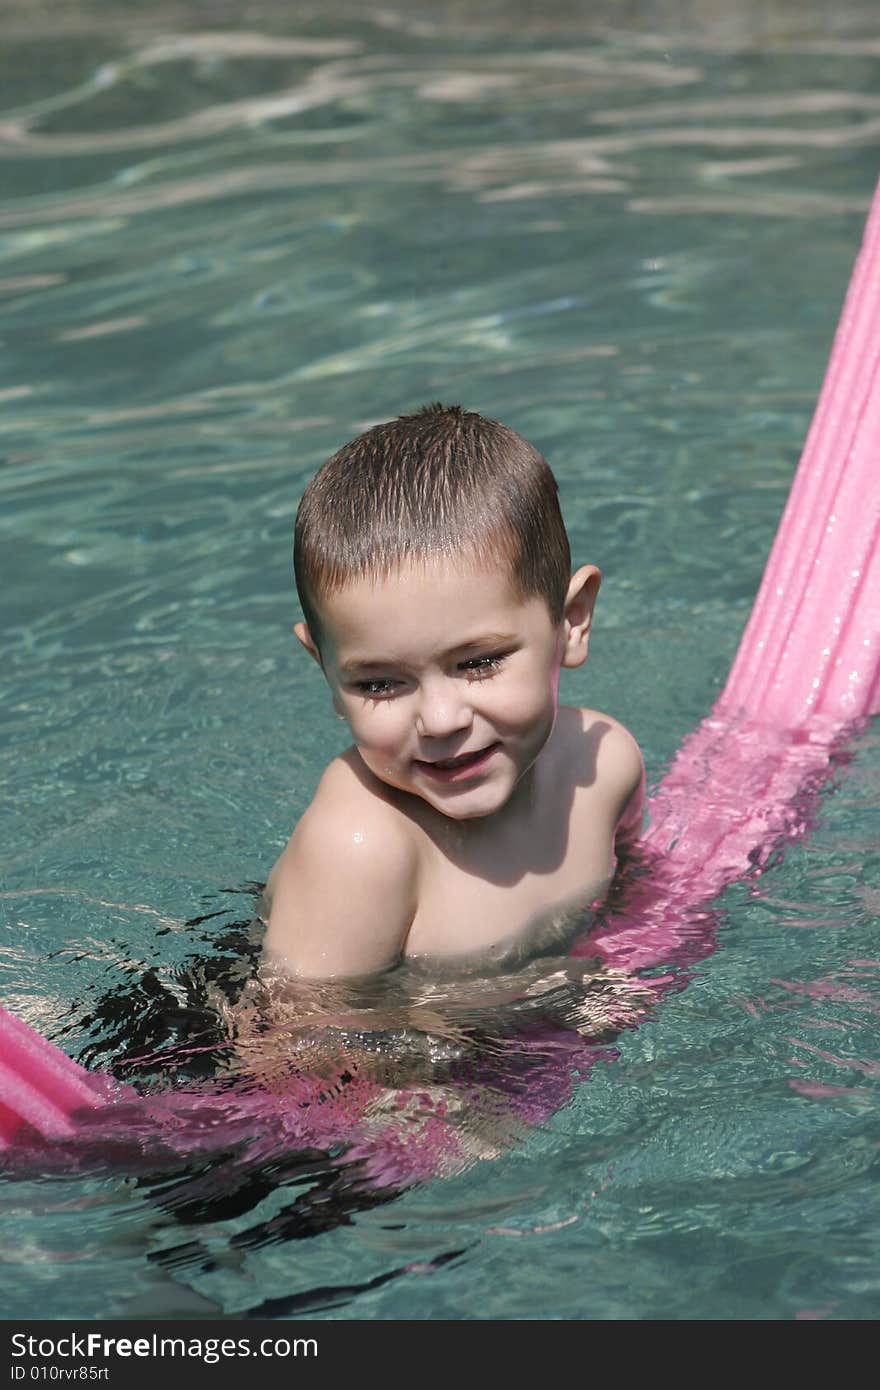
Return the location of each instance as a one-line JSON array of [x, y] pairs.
[[448, 678]]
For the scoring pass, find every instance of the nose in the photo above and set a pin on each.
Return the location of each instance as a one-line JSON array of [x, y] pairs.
[[443, 708]]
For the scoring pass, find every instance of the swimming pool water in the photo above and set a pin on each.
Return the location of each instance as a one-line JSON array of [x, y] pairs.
[[228, 244]]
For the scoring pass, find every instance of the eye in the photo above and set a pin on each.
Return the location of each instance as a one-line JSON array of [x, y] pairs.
[[479, 667], [377, 687]]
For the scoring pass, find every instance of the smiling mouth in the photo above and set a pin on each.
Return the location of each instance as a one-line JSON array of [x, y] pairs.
[[457, 769]]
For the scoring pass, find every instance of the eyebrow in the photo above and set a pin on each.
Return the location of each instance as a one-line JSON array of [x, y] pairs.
[[488, 641]]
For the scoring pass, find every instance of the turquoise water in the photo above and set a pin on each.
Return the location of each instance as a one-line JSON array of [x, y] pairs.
[[229, 241]]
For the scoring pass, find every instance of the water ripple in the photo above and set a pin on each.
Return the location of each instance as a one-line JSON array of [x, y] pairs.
[[223, 252]]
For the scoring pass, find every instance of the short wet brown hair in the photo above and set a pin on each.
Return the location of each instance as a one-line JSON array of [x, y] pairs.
[[441, 481]]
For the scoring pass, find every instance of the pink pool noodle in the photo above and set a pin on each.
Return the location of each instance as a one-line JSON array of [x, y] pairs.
[[811, 644], [808, 667], [39, 1084], [808, 663]]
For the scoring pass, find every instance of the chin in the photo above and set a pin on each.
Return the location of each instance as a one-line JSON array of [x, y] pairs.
[[452, 812], [467, 805]]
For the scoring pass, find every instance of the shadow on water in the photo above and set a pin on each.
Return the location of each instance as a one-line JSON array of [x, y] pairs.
[[410, 1079]]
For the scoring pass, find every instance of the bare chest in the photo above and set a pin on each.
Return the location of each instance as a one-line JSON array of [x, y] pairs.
[[506, 910]]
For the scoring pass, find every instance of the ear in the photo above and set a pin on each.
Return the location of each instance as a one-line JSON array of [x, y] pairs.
[[305, 637], [578, 614]]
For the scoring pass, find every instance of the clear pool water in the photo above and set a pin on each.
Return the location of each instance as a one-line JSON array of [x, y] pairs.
[[233, 236]]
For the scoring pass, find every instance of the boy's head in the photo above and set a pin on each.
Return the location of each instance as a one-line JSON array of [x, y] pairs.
[[433, 569], [440, 483]]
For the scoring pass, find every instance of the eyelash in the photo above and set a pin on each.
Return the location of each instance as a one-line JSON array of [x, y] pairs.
[[481, 666], [373, 689], [477, 668]]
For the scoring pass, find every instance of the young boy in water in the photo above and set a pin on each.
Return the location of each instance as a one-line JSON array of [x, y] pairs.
[[473, 819]]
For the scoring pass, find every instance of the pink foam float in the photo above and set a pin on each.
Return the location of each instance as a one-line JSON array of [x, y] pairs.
[[807, 669], [806, 672]]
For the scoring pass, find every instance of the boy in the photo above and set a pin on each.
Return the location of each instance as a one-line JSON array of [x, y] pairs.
[[473, 820]]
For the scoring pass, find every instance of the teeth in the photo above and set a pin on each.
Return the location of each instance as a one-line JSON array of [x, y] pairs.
[[455, 762]]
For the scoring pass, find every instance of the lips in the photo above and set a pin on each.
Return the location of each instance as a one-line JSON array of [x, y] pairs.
[[459, 768]]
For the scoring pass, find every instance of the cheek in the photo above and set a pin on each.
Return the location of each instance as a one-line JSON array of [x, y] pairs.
[[529, 700], [378, 731]]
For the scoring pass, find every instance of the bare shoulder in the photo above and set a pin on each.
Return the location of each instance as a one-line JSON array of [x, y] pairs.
[[608, 760], [618, 757], [343, 893]]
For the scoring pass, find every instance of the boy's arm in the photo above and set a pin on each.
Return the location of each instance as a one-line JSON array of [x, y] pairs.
[[631, 822], [343, 896], [624, 775]]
